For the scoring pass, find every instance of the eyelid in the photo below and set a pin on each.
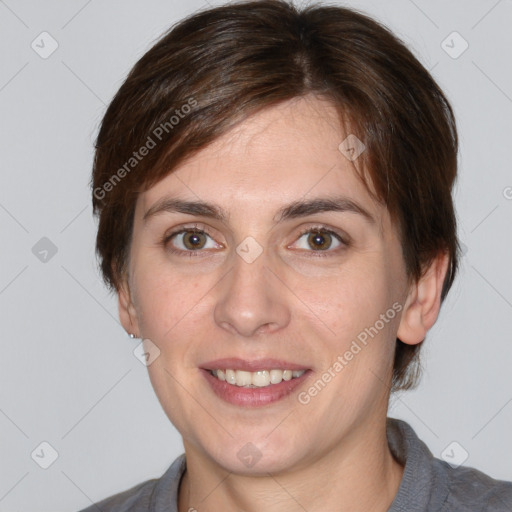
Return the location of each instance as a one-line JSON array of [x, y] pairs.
[[196, 226]]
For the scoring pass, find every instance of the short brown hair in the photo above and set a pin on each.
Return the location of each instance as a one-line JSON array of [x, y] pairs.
[[221, 65]]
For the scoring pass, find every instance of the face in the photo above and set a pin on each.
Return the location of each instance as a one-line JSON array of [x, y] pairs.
[[270, 281]]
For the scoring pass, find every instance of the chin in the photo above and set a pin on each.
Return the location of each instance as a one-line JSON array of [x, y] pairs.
[[250, 460], [255, 455]]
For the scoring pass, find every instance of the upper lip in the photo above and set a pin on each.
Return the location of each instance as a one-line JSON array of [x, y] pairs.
[[235, 363]]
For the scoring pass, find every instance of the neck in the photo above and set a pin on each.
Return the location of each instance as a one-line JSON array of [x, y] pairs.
[[357, 475]]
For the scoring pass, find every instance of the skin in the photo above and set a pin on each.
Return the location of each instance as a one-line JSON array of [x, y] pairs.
[[290, 303]]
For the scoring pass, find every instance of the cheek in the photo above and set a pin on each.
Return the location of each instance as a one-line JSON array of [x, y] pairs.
[[359, 306], [164, 297], [353, 297]]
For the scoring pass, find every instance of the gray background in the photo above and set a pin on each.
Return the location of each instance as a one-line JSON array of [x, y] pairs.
[[68, 375]]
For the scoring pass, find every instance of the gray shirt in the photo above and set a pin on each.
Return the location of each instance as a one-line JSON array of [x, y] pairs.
[[428, 484]]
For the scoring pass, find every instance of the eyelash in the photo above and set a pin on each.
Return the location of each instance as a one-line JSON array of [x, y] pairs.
[[203, 230]]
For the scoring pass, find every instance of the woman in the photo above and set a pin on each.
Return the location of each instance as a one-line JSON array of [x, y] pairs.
[[273, 187]]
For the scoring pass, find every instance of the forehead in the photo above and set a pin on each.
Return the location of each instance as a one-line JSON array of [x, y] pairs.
[[281, 154]]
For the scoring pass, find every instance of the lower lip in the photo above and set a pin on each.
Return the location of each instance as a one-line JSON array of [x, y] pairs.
[[253, 397]]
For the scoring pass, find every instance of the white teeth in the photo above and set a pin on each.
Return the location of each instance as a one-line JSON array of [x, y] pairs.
[[276, 376], [258, 379], [243, 378], [230, 377]]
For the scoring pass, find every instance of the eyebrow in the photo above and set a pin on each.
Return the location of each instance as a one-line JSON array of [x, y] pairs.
[[296, 209]]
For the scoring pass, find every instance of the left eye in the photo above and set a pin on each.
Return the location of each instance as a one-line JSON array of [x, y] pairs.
[[320, 240]]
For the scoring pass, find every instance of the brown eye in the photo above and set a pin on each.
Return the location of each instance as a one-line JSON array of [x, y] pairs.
[[190, 241], [194, 240], [320, 240]]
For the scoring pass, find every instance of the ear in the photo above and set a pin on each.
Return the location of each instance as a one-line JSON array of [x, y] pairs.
[[127, 312], [423, 302]]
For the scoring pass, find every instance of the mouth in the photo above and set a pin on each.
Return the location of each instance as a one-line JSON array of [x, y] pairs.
[[253, 383]]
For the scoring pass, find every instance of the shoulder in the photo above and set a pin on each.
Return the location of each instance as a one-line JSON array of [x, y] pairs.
[[471, 489], [430, 484], [152, 495], [135, 499]]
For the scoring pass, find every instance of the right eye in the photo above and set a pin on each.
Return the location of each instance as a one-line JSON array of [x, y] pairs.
[[189, 241]]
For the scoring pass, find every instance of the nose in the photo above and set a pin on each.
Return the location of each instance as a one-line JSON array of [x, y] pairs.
[[252, 299]]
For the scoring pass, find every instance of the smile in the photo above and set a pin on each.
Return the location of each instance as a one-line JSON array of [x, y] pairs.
[[254, 382]]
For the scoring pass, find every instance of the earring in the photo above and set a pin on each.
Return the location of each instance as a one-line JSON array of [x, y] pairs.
[[131, 335]]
